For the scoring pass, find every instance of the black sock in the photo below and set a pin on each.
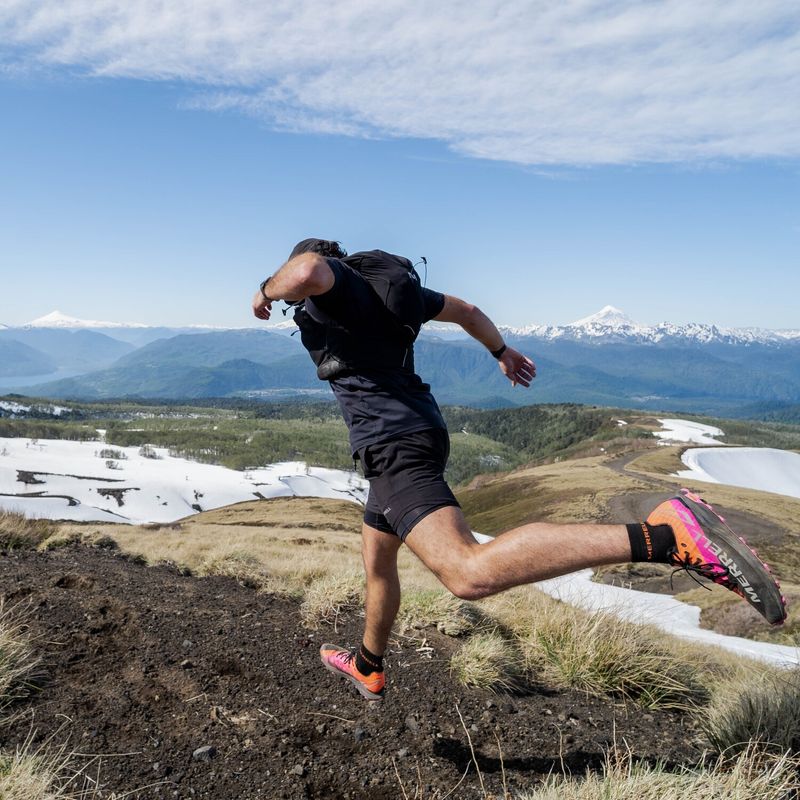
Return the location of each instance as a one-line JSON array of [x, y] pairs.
[[650, 542], [367, 662]]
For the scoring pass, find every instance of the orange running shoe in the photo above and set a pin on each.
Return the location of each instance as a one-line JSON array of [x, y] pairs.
[[343, 662], [705, 545]]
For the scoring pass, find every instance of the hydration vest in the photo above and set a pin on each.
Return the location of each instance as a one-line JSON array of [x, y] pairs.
[[347, 346]]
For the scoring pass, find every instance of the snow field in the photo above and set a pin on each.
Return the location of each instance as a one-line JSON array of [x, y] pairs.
[[762, 468], [684, 430], [74, 482]]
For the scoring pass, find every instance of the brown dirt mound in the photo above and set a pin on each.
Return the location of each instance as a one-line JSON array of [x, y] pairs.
[[147, 665]]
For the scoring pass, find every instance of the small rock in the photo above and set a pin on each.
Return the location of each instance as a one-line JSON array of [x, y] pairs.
[[490, 704], [187, 644], [547, 712], [412, 724], [359, 734], [321, 728], [298, 769], [186, 664], [562, 717], [156, 767], [474, 728], [402, 753], [205, 753]]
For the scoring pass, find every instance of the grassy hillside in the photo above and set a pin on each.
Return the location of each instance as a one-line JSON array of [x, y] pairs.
[[519, 693]]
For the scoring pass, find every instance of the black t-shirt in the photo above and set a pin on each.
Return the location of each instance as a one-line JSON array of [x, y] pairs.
[[377, 404]]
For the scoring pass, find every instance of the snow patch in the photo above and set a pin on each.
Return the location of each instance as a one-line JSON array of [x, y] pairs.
[[59, 479], [17, 409], [13, 408], [761, 468], [684, 430]]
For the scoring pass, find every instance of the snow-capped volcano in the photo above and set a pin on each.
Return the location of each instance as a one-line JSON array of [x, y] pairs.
[[608, 316], [55, 319]]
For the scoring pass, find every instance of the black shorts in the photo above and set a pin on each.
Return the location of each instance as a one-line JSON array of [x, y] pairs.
[[406, 480]]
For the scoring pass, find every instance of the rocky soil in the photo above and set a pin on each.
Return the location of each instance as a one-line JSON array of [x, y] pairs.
[[165, 685]]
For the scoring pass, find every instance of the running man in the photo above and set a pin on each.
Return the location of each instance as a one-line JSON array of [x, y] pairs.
[[398, 433]]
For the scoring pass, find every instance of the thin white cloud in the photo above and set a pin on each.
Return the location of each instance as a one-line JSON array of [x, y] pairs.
[[540, 83]]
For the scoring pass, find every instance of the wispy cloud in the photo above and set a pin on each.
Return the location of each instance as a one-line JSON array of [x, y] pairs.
[[532, 82]]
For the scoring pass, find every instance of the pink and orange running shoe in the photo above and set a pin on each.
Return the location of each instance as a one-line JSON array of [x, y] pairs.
[[706, 546], [343, 662]]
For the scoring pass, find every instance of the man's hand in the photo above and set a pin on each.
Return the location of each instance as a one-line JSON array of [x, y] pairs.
[[261, 306], [517, 367]]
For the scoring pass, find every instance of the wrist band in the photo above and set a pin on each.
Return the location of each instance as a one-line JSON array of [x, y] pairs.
[[499, 352], [263, 293]]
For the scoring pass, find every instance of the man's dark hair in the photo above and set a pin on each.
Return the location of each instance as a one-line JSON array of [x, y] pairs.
[[324, 247]]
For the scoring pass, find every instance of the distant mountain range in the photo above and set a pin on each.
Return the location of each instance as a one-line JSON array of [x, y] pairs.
[[612, 325], [604, 359]]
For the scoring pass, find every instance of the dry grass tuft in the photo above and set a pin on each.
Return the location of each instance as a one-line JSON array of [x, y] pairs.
[[754, 773], [759, 707], [251, 572], [60, 539], [17, 532], [331, 596], [47, 773], [596, 652], [26, 776], [242, 566], [487, 661], [18, 662], [422, 608]]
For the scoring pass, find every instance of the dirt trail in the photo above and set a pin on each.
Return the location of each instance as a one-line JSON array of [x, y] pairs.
[[147, 665]]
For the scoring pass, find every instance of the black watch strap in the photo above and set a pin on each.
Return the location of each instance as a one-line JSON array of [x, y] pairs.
[[263, 293], [499, 352]]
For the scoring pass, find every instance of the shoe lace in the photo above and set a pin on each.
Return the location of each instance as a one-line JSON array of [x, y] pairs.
[[694, 568]]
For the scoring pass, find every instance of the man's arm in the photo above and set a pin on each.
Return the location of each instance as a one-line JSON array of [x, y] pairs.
[[515, 366], [303, 276]]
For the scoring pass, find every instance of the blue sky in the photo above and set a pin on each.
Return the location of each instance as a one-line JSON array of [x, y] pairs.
[[156, 172]]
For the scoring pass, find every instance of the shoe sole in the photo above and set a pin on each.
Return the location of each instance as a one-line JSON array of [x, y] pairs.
[[362, 690], [756, 583]]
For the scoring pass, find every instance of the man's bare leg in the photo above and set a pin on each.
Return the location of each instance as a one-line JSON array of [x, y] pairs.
[[444, 543], [379, 551]]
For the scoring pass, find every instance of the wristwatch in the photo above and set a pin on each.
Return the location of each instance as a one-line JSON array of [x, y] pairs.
[[263, 293], [499, 352]]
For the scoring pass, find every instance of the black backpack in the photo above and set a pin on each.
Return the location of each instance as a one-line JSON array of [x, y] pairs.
[[397, 284], [337, 349]]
